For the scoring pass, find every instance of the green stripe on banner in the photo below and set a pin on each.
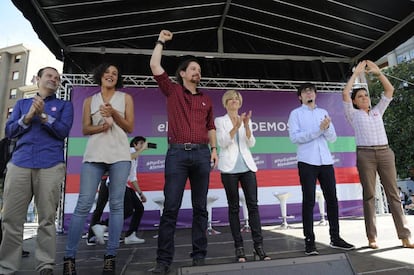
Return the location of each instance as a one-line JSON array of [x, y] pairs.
[[272, 145], [77, 145], [264, 145]]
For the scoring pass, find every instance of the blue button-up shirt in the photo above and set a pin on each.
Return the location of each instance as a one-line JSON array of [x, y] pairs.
[[304, 131], [40, 145]]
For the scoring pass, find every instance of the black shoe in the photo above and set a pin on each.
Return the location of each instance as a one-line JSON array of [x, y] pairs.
[[69, 266], [341, 244], [46, 271], [260, 254], [198, 261], [91, 241], [109, 265], [240, 256], [25, 254], [160, 268], [310, 248]]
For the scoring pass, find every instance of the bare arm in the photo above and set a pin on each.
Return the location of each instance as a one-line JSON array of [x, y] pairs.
[[360, 68], [388, 88], [155, 62], [87, 127], [141, 195], [139, 150], [127, 123]]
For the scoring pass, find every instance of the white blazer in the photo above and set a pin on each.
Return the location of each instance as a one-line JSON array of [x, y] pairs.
[[229, 147]]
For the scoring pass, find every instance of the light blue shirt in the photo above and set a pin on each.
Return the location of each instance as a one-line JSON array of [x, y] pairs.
[[240, 166], [304, 131]]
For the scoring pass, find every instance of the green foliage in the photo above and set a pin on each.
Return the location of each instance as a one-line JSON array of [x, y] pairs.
[[399, 117]]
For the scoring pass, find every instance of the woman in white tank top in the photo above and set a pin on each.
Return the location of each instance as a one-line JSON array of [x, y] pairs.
[[108, 116]]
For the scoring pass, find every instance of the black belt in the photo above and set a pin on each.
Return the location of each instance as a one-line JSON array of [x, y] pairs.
[[374, 147], [188, 146]]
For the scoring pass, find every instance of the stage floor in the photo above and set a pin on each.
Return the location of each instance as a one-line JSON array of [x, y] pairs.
[[279, 243]]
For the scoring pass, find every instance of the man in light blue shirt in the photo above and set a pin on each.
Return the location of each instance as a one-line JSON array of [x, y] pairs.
[[310, 128]]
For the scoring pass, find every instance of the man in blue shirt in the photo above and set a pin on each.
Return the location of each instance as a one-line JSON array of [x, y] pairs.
[[37, 168], [310, 128]]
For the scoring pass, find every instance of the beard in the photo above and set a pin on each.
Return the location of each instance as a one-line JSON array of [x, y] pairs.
[[195, 79]]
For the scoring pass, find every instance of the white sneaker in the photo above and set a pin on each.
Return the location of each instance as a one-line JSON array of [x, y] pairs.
[[99, 231], [133, 239]]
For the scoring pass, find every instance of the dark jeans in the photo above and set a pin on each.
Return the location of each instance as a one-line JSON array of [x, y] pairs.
[[308, 175], [103, 196], [249, 186], [181, 165], [132, 207]]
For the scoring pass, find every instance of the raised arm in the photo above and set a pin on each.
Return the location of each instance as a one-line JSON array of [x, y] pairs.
[[388, 88], [360, 68], [155, 62]]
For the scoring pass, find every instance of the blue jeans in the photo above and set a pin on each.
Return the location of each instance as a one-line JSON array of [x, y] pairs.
[[248, 183], [91, 174], [308, 175], [181, 165]]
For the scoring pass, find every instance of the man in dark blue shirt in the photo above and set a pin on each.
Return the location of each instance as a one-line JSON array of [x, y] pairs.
[[37, 168]]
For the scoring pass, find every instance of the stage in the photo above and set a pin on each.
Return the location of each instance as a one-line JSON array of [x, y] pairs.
[[285, 246]]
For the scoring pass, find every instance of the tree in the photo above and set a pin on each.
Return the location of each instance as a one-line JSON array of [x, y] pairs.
[[399, 117]]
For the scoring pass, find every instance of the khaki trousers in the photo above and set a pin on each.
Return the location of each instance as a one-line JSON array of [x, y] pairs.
[[20, 186], [369, 162]]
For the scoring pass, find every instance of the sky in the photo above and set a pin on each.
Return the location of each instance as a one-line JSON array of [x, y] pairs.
[[15, 28]]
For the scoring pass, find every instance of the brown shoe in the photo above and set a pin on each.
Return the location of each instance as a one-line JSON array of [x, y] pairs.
[[109, 265], [406, 243], [69, 266]]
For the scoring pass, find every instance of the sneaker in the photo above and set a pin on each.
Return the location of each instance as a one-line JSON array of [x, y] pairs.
[[341, 244], [310, 248], [69, 266], [198, 261], [160, 268], [99, 231], [46, 271], [109, 265], [133, 239], [91, 241]]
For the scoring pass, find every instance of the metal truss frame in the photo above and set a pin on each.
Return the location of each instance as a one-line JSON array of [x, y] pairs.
[[70, 80]]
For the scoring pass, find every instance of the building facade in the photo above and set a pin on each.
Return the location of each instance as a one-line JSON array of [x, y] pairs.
[[18, 68], [403, 53]]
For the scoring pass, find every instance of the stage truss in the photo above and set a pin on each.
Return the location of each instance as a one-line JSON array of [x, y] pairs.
[[70, 80]]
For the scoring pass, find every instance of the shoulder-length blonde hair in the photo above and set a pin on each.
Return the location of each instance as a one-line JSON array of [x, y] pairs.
[[229, 95]]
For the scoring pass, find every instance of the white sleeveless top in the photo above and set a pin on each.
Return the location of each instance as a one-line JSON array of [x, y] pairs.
[[110, 146]]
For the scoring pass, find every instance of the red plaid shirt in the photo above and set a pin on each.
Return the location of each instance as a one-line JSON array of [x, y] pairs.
[[190, 116]]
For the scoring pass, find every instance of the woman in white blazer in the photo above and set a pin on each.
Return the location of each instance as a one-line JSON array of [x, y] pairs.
[[236, 164]]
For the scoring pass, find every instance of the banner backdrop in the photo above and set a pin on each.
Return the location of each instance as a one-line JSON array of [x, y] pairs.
[[274, 154]]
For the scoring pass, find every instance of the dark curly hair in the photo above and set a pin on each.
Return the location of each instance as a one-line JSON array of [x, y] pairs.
[[100, 70]]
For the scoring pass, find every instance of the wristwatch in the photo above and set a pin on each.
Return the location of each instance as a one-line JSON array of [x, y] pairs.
[[43, 115]]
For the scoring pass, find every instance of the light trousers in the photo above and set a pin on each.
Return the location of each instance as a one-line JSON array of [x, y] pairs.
[[369, 162], [21, 184]]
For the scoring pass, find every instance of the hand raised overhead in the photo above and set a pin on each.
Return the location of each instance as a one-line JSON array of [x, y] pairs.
[[165, 35]]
